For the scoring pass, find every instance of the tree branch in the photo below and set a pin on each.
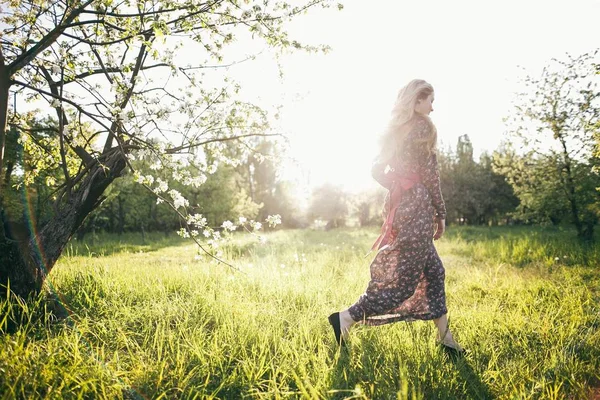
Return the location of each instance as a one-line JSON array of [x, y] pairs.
[[77, 106], [61, 132], [142, 14], [80, 151], [25, 58], [136, 71], [177, 149]]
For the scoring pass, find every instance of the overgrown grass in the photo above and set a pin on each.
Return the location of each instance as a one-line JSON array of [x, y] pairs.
[[155, 320]]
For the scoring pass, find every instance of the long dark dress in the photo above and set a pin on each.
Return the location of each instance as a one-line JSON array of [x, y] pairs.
[[407, 275]]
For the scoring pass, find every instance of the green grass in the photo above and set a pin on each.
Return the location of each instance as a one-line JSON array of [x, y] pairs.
[[154, 320]]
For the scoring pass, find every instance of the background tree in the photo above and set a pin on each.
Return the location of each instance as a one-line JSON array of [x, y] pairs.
[[555, 120], [329, 203], [261, 176], [500, 199], [474, 193], [109, 70], [465, 201], [367, 206]]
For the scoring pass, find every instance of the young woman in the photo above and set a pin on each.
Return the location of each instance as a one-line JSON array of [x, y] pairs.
[[407, 275]]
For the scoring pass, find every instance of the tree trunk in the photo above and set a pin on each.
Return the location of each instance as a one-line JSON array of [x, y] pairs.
[[588, 232], [26, 267], [570, 186], [38, 203], [121, 214], [111, 218], [86, 228], [4, 88], [154, 216], [9, 169]]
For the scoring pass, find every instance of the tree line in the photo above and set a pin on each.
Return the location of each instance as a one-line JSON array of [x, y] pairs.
[[496, 189]]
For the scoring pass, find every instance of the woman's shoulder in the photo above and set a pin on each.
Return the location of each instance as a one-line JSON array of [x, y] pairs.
[[421, 126]]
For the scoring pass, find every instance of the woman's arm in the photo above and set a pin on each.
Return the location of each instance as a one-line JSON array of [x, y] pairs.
[[430, 176], [430, 173]]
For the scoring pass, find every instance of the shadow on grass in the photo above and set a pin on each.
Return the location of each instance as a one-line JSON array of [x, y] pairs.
[[474, 387], [341, 374], [348, 378], [110, 244]]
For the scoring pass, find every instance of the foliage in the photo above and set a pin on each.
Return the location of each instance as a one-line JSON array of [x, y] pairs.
[[556, 119], [473, 192], [261, 177]]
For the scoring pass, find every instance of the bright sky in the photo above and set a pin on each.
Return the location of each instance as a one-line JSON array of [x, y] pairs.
[[336, 105]]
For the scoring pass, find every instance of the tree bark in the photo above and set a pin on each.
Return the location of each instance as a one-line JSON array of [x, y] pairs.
[[570, 188], [25, 265], [588, 232], [4, 88], [121, 214]]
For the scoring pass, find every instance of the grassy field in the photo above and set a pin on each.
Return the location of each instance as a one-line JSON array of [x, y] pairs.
[[155, 320]]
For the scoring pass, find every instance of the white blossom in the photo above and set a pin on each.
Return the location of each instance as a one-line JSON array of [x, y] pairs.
[[178, 199], [183, 233], [196, 181], [161, 187], [197, 220], [137, 177], [242, 220], [123, 116], [156, 166], [274, 220], [55, 69], [228, 225], [143, 179]]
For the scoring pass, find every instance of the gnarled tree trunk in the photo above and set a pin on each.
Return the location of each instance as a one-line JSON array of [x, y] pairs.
[[24, 265]]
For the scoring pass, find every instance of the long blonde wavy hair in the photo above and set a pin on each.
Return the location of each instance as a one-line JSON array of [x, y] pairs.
[[404, 118]]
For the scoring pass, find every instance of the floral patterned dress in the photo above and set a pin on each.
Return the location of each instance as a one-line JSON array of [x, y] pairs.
[[407, 275]]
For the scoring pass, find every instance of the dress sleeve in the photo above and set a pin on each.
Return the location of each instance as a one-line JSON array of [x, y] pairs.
[[430, 176], [430, 172]]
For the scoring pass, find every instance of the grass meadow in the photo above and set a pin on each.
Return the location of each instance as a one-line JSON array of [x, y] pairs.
[[157, 321]]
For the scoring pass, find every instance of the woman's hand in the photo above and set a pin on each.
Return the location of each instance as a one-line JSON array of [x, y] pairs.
[[440, 228]]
